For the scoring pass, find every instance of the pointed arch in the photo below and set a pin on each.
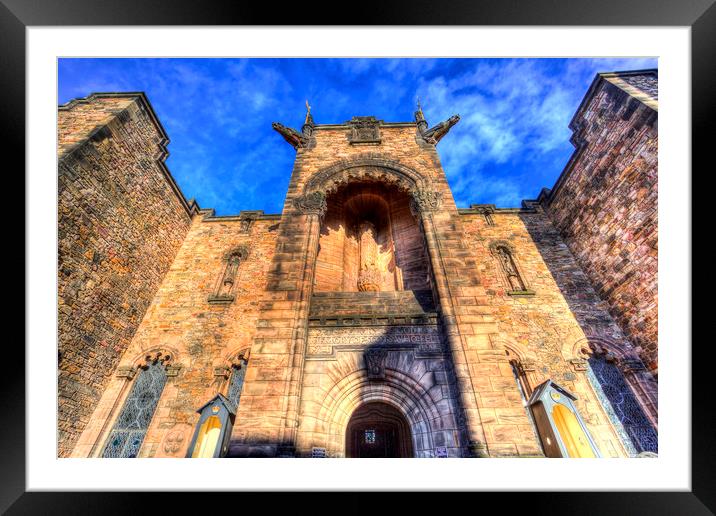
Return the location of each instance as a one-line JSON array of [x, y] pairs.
[[623, 385]]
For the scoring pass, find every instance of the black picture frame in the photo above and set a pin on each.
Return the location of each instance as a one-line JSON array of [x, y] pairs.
[[699, 15]]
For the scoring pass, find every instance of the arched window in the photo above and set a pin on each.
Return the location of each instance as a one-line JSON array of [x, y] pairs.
[[129, 429], [236, 381], [224, 290], [511, 274], [634, 428]]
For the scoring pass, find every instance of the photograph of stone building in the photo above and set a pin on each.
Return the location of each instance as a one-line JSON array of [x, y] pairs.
[[372, 316]]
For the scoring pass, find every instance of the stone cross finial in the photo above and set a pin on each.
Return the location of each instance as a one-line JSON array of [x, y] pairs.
[[308, 124], [420, 119]]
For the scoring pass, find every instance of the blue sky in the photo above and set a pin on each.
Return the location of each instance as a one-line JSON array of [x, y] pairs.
[[512, 139]]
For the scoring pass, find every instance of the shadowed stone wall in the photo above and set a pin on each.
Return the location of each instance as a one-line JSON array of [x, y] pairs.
[[455, 353], [121, 220], [202, 335], [544, 329], [605, 203]]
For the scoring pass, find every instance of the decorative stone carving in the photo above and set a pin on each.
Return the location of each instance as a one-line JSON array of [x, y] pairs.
[[425, 201], [579, 364], [510, 269], [528, 365], [157, 356], [512, 276], [308, 124], [246, 224], [420, 119], [293, 137], [222, 373], [486, 210], [436, 133], [173, 442], [369, 280], [313, 203], [224, 291], [125, 372], [631, 365], [369, 275], [305, 138], [423, 339], [374, 361], [229, 275], [173, 369], [364, 129], [373, 167]]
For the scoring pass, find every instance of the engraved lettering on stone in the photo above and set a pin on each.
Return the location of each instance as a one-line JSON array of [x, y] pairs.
[[321, 340]]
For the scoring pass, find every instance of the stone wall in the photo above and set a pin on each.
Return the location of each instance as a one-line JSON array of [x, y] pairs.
[[202, 337], [605, 207], [455, 355], [544, 329], [121, 220], [270, 410]]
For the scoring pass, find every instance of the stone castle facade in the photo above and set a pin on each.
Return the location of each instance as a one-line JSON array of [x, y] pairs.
[[372, 317]]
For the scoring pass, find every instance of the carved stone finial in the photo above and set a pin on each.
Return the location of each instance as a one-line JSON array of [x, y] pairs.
[[424, 201], [420, 119], [313, 203], [435, 134], [308, 124]]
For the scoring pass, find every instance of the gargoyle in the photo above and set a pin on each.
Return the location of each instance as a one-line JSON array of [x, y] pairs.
[[435, 134], [292, 136]]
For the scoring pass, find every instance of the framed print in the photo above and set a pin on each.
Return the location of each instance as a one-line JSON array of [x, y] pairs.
[[396, 243]]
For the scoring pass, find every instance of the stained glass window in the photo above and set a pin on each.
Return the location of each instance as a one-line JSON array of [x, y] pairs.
[[370, 436], [634, 428], [236, 383], [128, 432]]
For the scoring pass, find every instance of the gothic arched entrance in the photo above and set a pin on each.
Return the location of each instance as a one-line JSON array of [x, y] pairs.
[[377, 429]]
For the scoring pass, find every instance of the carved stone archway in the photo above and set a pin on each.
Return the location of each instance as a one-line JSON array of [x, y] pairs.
[[370, 167], [626, 358], [378, 430], [396, 389]]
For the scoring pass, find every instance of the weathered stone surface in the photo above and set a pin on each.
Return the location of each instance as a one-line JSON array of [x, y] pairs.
[[120, 223], [203, 337], [605, 205], [467, 311]]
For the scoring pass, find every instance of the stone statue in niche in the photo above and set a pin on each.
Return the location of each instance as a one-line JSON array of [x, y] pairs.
[[227, 281], [508, 265], [371, 270]]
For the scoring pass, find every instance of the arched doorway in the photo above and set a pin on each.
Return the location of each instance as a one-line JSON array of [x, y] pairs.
[[377, 429]]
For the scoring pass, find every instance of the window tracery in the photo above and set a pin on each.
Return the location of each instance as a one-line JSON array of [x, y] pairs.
[[633, 426], [130, 428]]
